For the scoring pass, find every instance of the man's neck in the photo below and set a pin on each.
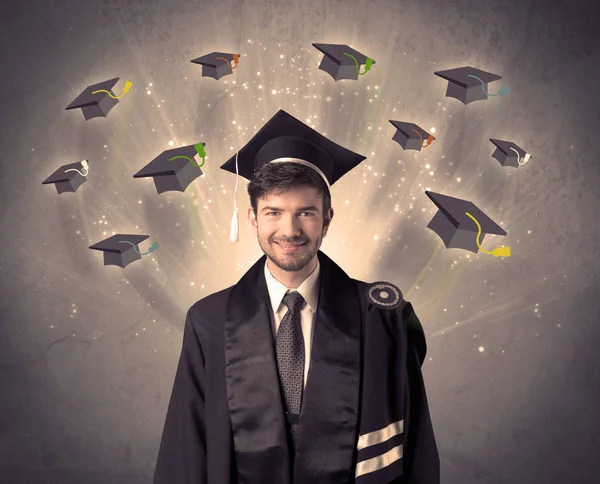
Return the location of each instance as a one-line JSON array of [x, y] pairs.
[[292, 280]]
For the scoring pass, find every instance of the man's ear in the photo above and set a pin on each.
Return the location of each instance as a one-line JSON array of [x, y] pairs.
[[252, 218], [327, 220]]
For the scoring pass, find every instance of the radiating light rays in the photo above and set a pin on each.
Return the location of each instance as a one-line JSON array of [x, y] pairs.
[[193, 204], [385, 198], [60, 280], [423, 272], [491, 313]]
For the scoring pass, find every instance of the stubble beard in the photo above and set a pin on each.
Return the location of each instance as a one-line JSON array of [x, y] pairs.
[[292, 262]]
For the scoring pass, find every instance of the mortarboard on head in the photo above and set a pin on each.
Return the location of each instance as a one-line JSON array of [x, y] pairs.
[[343, 62], [461, 225], [217, 64], [509, 154], [68, 178], [411, 136], [98, 99], [175, 169], [286, 139], [468, 84], [122, 249]]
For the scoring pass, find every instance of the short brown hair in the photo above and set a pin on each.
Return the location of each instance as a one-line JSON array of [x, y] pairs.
[[278, 178]]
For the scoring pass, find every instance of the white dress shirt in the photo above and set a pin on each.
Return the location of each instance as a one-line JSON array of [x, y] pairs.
[[309, 290]]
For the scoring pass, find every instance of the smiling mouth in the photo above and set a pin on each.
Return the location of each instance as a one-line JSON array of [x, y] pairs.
[[290, 246]]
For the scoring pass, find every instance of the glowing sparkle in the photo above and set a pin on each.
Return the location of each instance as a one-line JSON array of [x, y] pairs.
[[148, 92], [171, 143], [432, 130], [481, 349]]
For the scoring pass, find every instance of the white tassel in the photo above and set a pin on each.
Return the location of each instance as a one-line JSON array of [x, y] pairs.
[[235, 223], [235, 227]]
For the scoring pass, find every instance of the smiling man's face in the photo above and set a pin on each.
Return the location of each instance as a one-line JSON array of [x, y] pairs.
[[290, 227]]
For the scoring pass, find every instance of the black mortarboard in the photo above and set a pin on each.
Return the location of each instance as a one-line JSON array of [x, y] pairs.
[[173, 170], [411, 136], [217, 64], [122, 249], [509, 154], [343, 62], [457, 229], [94, 105], [68, 178], [286, 139], [468, 84]]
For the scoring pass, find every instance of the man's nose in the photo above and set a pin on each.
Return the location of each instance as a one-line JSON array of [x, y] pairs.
[[290, 226]]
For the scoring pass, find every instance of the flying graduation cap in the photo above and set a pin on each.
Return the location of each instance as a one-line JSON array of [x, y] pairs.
[[122, 249], [175, 169], [286, 139], [411, 136], [343, 62], [98, 99], [509, 154], [68, 178], [217, 64], [468, 84], [461, 225]]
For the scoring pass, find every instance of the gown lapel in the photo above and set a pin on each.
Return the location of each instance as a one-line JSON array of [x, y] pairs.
[[328, 416], [325, 450], [255, 404]]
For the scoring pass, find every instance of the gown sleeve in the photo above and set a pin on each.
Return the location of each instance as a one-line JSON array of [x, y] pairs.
[[182, 452], [421, 458]]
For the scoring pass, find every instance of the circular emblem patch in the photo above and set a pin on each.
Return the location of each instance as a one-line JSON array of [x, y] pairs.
[[385, 295]]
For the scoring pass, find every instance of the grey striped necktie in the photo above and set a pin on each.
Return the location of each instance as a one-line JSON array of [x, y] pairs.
[[289, 347]]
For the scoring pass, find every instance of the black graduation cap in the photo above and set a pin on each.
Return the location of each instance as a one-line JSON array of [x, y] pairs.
[[509, 154], [411, 136], [217, 64], [468, 84], [94, 105], [122, 249], [68, 178], [343, 62], [458, 230], [286, 139], [173, 170]]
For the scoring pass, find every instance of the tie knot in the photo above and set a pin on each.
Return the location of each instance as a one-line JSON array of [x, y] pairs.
[[293, 300]]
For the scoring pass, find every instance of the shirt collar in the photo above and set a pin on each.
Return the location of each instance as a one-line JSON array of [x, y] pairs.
[[309, 289]]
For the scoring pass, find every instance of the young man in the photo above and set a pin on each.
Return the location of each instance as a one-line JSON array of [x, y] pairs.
[[298, 374]]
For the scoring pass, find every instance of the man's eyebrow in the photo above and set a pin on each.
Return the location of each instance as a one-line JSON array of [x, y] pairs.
[[301, 209]]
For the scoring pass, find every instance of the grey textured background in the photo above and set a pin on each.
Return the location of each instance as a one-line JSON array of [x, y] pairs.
[[88, 353]]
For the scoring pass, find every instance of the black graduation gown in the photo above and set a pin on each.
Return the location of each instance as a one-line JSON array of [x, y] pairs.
[[226, 425]]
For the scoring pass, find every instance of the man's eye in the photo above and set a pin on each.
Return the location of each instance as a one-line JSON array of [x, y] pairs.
[[301, 213]]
